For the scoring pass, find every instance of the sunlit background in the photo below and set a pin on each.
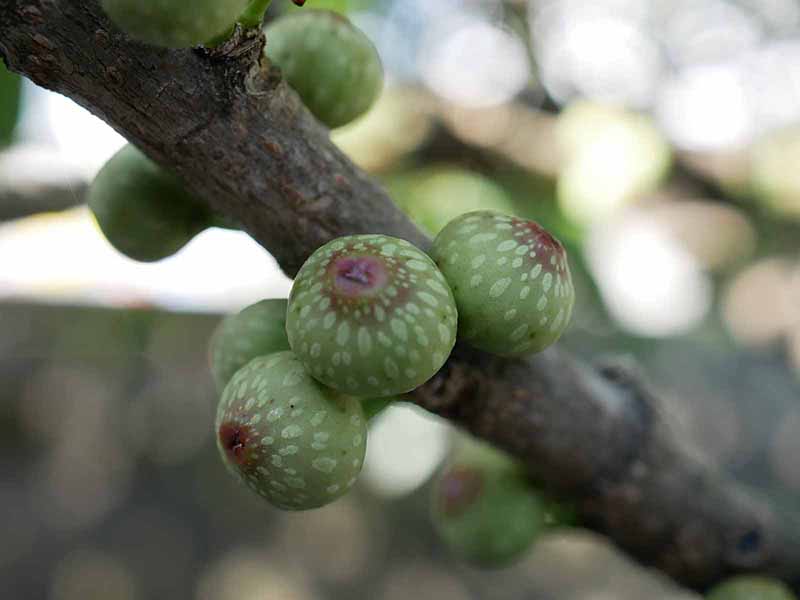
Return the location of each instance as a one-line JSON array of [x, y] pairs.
[[658, 139]]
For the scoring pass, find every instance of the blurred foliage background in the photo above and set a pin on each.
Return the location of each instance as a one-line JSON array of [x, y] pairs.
[[658, 139]]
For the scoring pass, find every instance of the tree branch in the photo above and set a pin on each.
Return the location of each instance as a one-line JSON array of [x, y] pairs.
[[227, 123]]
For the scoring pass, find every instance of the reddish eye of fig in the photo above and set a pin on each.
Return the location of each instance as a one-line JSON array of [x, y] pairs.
[[460, 487], [235, 440], [359, 276]]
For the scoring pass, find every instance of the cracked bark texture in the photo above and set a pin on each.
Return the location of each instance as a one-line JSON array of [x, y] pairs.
[[226, 122]]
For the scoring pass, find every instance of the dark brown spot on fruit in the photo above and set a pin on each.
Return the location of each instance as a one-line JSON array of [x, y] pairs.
[[238, 443]]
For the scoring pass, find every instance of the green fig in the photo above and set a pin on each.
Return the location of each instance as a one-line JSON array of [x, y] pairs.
[[175, 23], [330, 63], [510, 279], [143, 210], [293, 441], [371, 315]]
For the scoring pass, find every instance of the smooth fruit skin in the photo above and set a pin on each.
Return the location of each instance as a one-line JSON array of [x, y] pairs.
[[258, 330], [143, 210], [511, 282], [371, 315], [174, 23], [483, 507], [332, 65], [294, 442], [749, 587]]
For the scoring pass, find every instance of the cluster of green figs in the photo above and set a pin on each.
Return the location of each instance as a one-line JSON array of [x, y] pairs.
[[370, 318]]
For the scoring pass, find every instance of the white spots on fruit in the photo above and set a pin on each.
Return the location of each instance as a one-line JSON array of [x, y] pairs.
[[506, 245], [275, 414], [267, 440], [517, 263], [428, 299], [524, 292], [324, 464], [444, 333], [373, 381], [343, 334], [357, 439], [318, 418], [519, 332], [536, 271], [400, 329], [293, 378], [255, 419], [522, 250], [557, 321], [388, 249], [305, 311], [478, 261], [380, 314], [502, 261], [481, 238], [292, 431], [542, 303], [510, 314], [437, 287], [384, 340], [413, 309], [277, 460], [547, 282], [499, 287], [390, 368], [316, 350], [329, 320], [364, 341], [417, 265], [476, 280], [333, 489], [289, 450], [249, 404], [296, 483]]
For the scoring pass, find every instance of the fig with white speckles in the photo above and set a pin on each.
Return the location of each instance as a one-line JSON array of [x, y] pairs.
[[751, 587], [510, 279], [331, 64], [258, 330], [175, 23], [293, 441], [371, 315], [143, 210], [483, 507]]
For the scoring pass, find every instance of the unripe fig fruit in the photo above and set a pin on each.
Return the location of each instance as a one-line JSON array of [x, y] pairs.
[[174, 23], [332, 65], [483, 507], [143, 210], [749, 587], [371, 315], [510, 279], [10, 96], [296, 443], [258, 330]]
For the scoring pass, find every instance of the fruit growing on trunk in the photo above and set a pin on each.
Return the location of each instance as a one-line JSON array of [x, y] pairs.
[[483, 507], [371, 315], [510, 279], [174, 23], [143, 210], [258, 330], [331, 64], [296, 443]]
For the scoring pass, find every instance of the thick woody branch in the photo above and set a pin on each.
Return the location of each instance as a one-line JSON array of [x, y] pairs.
[[227, 123]]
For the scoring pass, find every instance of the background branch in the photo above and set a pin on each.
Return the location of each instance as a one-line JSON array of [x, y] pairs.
[[226, 122]]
